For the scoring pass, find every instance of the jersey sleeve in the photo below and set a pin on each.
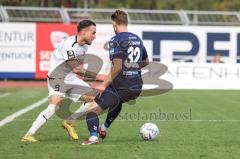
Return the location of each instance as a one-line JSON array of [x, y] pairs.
[[66, 51], [115, 50]]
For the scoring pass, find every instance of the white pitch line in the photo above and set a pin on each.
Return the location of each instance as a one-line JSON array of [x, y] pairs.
[[4, 95], [11, 117]]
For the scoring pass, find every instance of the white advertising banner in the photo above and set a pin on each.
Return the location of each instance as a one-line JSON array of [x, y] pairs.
[[203, 76], [17, 47]]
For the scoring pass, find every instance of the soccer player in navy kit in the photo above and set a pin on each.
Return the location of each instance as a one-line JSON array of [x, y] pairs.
[[123, 83]]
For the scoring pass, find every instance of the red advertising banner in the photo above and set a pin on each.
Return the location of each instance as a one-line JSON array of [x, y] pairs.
[[49, 36]]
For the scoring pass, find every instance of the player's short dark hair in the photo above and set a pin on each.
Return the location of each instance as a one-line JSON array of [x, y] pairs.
[[120, 17], [84, 24]]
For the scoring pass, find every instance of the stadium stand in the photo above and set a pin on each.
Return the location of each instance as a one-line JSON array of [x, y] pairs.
[[137, 16]]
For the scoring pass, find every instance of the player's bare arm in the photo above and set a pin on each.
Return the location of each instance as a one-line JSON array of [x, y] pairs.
[[115, 70]]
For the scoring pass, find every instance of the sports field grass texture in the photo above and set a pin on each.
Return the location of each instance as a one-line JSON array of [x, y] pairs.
[[193, 124]]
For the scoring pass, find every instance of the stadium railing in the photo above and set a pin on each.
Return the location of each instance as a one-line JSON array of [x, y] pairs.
[[33, 14], [213, 18], [1, 14], [137, 16], [1, 17]]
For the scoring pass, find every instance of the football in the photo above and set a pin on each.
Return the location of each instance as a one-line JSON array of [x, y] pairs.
[[149, 131]]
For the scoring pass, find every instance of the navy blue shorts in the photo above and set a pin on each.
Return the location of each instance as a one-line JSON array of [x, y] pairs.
[[111, 98]]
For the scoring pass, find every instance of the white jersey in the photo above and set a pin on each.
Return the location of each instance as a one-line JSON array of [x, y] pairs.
[[68, 49]]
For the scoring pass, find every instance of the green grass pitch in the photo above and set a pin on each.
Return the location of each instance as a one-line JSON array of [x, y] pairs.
[[193, 124]]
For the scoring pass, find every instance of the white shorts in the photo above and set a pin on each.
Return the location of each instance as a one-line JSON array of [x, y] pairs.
[[72, 87]]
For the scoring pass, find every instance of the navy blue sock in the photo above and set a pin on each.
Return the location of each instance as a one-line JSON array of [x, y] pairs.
[[92, 123], [112, 115]]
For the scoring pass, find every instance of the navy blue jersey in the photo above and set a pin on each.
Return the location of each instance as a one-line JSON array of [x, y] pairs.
[[128, 44], [129, 47]]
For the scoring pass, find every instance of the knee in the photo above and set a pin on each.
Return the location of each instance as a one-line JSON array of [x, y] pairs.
[[55, 100], [87, 98], [94, 109]]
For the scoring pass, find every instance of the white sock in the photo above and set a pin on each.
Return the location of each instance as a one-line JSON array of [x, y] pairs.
[[93, 138], [80, 112], [42, 118], [103, 127]]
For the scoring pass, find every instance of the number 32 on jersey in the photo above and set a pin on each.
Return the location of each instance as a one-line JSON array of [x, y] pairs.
[[133, 54]]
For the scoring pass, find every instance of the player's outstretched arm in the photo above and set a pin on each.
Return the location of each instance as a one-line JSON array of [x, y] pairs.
[[115, 70]]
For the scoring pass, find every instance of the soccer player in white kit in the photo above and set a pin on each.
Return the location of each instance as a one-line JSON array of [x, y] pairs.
[[73, 49]]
